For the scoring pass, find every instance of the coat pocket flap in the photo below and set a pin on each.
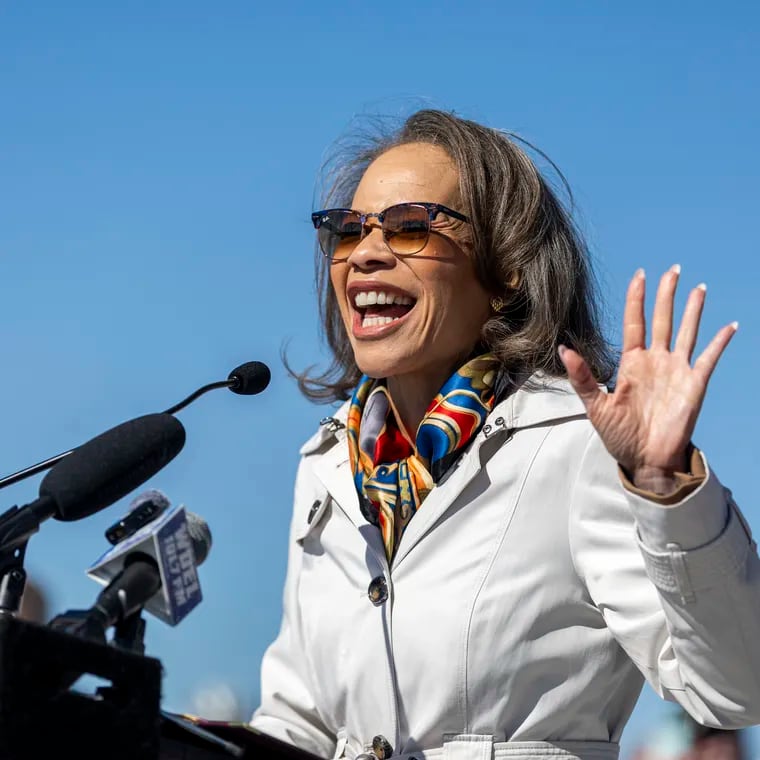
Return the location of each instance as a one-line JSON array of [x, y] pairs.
[[313, 518]]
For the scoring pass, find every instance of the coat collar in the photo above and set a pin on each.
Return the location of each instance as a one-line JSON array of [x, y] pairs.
[[542, 399], [539, 401]]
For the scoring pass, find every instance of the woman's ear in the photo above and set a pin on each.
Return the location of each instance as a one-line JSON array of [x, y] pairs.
[[514, 280]]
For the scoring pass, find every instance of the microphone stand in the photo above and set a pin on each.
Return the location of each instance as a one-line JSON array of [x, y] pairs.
[[129, 634], [12, 578], [12, 554]]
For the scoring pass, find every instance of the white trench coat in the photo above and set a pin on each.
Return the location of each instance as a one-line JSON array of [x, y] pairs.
[[528, 599]]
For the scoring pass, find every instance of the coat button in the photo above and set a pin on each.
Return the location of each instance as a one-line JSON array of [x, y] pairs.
[[382, 747], [378, 591]]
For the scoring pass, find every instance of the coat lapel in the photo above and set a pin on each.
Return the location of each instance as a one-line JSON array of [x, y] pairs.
[[522, 409], [334, 472], [439, 500]]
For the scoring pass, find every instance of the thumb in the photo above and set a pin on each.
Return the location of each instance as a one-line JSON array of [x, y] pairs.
[[580, 377]]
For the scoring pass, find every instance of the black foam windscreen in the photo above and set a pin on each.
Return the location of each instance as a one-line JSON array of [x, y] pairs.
[[111, 465], [250, 378]]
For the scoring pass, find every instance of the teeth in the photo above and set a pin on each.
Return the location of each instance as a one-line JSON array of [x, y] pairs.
[[375, 321], [372, 297]]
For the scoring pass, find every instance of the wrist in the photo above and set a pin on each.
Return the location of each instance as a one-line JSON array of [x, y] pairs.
[[655, 480]]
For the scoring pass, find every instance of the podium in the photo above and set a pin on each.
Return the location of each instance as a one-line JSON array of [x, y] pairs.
[[41, 717]]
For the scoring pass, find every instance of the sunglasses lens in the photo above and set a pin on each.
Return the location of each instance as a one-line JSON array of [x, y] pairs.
[[338, 233], [406, 228]]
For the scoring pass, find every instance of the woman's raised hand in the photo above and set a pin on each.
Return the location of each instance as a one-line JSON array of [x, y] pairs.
[[647, 423]]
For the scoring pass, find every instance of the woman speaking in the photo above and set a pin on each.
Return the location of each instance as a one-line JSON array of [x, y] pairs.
[[492, 548]]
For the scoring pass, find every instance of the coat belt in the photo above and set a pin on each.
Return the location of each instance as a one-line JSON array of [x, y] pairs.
[[483, 747]]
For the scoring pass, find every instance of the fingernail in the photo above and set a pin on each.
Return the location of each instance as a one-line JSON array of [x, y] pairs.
[[702, 286], [676, 268], [640, 272], [735, 325], [561, 350]]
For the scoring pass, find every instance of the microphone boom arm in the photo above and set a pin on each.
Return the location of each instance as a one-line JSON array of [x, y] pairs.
[[189, 400], [236, 382], [27, 472]]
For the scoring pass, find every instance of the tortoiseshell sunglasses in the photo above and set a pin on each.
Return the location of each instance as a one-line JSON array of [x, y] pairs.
[[405, 227]]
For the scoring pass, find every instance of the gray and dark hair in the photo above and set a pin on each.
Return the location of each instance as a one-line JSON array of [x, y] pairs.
[[526, 249]]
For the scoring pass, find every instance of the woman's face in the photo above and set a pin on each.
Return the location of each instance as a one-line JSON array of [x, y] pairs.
[[438, 305]]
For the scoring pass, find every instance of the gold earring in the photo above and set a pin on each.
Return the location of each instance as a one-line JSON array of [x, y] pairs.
[[497, 304]]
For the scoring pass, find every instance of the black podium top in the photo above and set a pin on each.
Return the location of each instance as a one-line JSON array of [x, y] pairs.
[[42, 717]]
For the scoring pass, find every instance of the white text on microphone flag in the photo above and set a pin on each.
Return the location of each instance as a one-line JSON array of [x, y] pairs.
[[179, 575]]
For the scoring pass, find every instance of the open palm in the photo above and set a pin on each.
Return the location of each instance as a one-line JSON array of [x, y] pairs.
[[648, 421]]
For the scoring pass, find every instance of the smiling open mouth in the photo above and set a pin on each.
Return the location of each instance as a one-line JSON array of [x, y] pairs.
[[381, 308]]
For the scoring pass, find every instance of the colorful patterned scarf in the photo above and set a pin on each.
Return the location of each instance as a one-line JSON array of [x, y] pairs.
[[392, 474]]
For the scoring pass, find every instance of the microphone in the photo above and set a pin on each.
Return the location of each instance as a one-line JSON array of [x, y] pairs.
[[155, 568], [247, 380], [144, 508], [97, 474]]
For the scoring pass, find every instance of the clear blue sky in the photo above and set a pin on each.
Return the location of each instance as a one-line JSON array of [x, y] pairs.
[[157, 167]]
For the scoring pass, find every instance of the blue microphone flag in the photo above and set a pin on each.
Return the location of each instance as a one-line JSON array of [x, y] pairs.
[[168, 541]]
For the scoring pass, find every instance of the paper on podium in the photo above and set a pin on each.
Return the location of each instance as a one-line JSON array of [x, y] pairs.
[[236, 739]]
